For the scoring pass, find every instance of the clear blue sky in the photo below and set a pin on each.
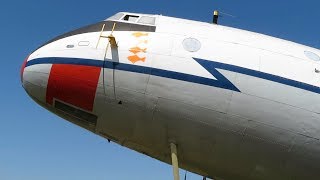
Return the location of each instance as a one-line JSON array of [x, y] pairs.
[[37, 145]]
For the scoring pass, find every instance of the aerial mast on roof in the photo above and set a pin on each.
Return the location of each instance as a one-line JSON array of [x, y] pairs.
[[215, 17]]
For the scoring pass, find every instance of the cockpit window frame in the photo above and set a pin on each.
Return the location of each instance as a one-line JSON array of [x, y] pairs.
[[128, 17], [137, 21], [152, 23], [117, 16], [121, 26]]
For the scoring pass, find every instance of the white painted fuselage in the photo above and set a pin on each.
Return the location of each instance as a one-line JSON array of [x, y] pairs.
[[239, 105]]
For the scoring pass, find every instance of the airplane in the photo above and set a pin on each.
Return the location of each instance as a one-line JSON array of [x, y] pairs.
[[224, 103]]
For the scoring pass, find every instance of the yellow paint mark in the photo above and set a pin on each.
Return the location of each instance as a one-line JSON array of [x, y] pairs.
[[136, 50], [136, 58], [139, 34]]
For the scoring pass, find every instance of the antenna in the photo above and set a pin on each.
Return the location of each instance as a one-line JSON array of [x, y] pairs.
[[216, 15]]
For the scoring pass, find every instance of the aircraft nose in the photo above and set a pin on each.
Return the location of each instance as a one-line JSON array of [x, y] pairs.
[[23, 66], [34, 79]]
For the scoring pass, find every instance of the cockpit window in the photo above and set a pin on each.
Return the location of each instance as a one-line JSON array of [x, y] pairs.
[[147, 20], [124, 22], [130, 18], [117, 16], [134, 18]]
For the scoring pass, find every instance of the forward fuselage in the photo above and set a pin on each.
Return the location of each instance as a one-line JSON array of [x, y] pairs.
[[239, 105]]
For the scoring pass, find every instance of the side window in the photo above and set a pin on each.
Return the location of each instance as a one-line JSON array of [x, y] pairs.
[[147, 20], [130, 18]]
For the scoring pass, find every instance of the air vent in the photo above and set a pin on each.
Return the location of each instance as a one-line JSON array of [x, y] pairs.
[[80, 115]]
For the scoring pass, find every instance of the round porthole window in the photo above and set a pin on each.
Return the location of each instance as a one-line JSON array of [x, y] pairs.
[[312, 56], [191, 44]]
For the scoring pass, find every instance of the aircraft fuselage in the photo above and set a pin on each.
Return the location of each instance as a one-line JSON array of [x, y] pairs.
[[239, 105]]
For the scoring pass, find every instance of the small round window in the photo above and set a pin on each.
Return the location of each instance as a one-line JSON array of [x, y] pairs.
[[191, 44], [312, 56]]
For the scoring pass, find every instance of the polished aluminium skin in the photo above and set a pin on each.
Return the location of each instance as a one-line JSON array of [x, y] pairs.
[[237, 104]]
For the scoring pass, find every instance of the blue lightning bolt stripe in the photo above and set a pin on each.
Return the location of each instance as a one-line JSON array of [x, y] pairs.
[[221, 81], [260, 75], [211, 66]]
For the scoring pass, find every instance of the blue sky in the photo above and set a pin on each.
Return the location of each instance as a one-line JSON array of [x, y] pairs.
[[37, 145]]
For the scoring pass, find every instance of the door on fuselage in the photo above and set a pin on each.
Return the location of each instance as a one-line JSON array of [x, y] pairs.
[[132, 66], [131, 60]]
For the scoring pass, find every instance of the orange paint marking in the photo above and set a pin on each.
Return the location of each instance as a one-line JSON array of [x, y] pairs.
[[136, 58], [139, 34], [136, 50], [145, 41]]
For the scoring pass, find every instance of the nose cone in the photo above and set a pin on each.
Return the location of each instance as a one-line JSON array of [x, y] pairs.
[[22, 69], [34, 80]]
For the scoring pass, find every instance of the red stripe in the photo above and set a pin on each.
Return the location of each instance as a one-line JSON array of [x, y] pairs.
[[22, 68], [73, 84]]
